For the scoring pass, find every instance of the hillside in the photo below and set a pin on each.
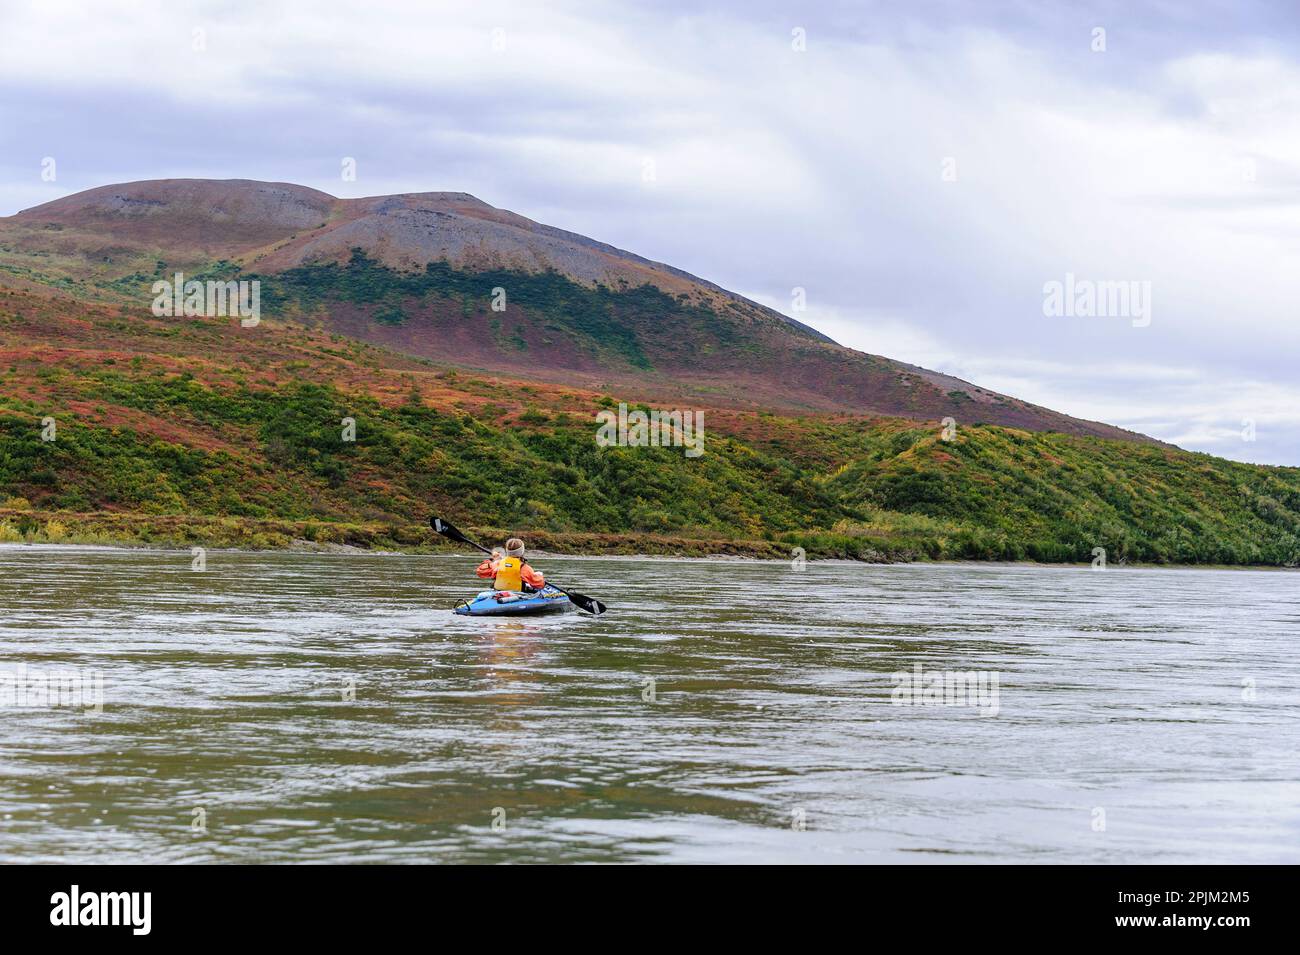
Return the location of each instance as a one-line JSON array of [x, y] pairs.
[[199, 431], [416, 273]]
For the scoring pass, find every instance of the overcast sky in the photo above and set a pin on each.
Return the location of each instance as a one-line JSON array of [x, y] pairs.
[[922, 170]]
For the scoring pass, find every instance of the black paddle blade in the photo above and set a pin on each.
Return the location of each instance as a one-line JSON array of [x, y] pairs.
[[589, 604], [452, 532], [448, 530]]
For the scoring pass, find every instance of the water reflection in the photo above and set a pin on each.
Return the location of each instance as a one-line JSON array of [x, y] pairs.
[[509, 648]]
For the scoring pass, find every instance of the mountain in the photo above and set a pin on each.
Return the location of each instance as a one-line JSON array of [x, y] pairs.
[[120, 425], [417, 273]]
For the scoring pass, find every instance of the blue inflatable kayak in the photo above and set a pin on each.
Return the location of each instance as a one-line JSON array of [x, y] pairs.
[[501, 602]]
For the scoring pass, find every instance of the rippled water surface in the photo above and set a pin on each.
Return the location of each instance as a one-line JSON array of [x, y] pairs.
[[1141, 715]]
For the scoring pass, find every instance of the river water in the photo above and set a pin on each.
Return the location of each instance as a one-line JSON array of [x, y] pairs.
[[329, 708]]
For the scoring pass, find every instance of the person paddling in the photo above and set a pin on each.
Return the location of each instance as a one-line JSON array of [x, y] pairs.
[[452, 532], [509, 570]]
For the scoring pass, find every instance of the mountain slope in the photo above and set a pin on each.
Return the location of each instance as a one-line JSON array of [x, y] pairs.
[[417, 273], [198, 431]]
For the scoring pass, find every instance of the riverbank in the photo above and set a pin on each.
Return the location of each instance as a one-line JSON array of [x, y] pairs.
[[111, 528], [177, 531]]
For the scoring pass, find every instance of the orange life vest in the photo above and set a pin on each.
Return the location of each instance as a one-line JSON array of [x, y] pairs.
[[509, 574]]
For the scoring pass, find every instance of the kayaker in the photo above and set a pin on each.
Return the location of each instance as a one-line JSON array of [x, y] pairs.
[[509, 570]]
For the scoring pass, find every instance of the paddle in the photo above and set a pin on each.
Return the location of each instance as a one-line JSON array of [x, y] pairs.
[[581, 601]]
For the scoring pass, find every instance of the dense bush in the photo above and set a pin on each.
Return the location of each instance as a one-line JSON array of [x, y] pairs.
[[880, 492]]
